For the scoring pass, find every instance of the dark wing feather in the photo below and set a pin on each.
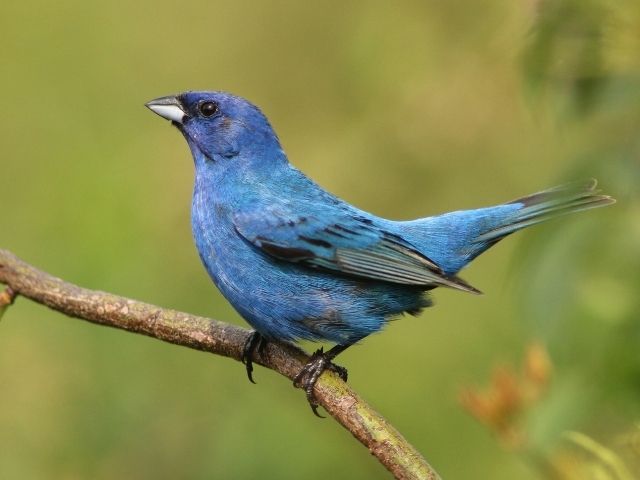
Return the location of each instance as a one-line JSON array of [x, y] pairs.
[[351, 245]]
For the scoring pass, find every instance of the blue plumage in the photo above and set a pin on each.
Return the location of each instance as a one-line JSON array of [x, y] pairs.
[[298, 262]]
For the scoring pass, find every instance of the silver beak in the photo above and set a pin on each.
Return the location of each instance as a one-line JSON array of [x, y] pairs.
[[167, 107]]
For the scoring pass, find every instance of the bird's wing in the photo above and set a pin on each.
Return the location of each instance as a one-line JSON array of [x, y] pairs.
[[350, 245]]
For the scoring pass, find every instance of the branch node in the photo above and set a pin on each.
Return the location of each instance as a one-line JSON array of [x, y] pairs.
[[7, 297]]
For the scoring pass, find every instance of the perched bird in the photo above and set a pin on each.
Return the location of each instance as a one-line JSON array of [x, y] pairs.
[[298, 262]]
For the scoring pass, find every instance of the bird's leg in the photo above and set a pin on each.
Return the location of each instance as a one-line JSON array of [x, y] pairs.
[[255, 342], [318, 363]]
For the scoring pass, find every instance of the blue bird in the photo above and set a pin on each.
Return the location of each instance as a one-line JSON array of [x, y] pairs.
[[298, 262]]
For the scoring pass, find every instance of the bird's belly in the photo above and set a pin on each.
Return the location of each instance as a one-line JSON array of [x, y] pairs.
[[287, 301]]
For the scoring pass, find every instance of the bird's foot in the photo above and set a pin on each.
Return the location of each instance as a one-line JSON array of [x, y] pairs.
[[255, 343], [308, 376]]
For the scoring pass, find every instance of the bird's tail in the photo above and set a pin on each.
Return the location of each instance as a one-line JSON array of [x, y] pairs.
[[542, 206], [453, 239]]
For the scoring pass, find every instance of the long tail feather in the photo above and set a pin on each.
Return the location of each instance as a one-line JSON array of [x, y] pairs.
[[547, 204]]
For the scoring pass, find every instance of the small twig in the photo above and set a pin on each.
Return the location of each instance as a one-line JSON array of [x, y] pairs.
[[335, 396], [7, 296]]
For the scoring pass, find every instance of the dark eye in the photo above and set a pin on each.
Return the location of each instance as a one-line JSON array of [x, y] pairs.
[[208, 108]]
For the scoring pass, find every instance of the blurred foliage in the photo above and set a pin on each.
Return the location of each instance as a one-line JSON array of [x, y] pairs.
[[407, 110]]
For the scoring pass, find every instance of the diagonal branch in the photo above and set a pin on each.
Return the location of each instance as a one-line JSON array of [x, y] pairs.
[[335, 396]]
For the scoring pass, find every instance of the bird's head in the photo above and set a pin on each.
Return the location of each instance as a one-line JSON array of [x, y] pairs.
[[219, 125]]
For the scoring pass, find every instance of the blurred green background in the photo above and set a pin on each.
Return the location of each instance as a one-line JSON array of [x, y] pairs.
[[405, 109]]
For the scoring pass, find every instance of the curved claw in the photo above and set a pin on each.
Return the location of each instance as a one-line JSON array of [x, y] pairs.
[[255, 342], [340, 371]]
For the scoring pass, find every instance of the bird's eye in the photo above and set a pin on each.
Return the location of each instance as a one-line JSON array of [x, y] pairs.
[[208, 108]]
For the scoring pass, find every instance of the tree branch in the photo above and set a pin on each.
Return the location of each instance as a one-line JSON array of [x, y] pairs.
[[335, 396]]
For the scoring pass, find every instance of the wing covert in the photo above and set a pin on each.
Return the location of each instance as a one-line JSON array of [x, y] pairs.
[[350, 245]]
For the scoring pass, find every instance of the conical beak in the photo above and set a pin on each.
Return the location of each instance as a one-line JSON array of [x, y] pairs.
[[168, 107]]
